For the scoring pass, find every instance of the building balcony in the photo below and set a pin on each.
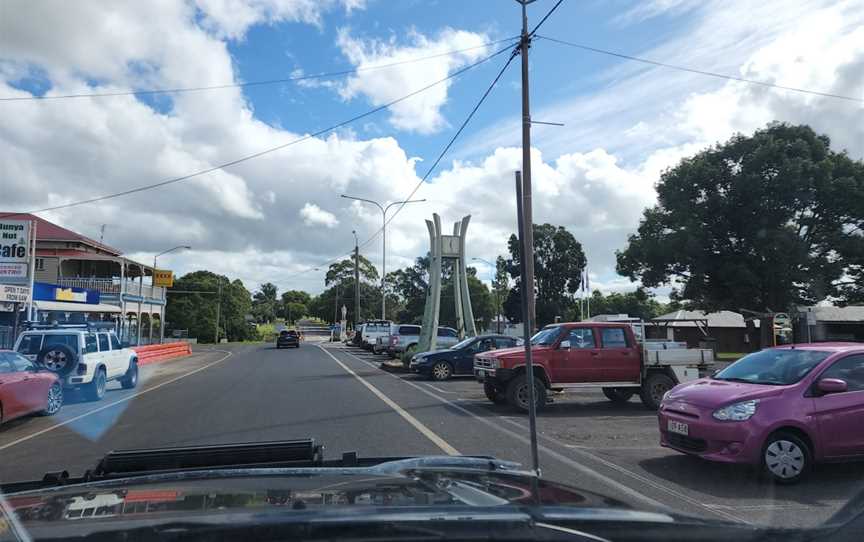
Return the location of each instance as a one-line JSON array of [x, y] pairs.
[[112, 287]]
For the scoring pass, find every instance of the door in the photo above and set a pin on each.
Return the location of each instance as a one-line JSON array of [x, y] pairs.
[[839, 415], [465, 359], [33, 385], [619, 361], [105, 355], [575, 363], [12, 389]]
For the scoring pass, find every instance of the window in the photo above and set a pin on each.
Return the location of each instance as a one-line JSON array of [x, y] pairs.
[[115, 342], [30, 344], [505, 342], [20, 363], [487, 344], [5, 364], [582, 337], [69, 340], [40, 264], [409, 330], [613, 337], [446, 332], [774, 366], [90, 344], [850, 369], [103, 342]]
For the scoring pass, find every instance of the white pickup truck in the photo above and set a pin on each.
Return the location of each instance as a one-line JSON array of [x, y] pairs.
[[374, 329], [84, 357]]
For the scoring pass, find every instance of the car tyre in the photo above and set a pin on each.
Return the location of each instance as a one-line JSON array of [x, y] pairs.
[[618, 395], [517, 393], [130, 379], [786, 458], [95, 390], [653, 389], [57, 358], [494, 393], [441, 371], [54, 401]]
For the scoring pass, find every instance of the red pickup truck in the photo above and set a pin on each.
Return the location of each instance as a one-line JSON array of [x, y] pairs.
[[589, 355]]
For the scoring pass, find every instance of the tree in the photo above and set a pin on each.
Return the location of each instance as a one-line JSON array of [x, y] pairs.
[[293, 311], [196, 313], [764, 223], [500, 286], [558, 265], [343, 271], [265, 303], [639, 303]]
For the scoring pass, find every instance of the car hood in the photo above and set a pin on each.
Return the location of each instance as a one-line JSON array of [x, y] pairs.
[[711, 393], [517, 352], [441, 352], [309, 489]]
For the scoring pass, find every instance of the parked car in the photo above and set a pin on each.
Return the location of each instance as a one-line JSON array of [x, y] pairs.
[[357, 336], [83, 356], [407, 336], [288, 337], [459, 358], [584, 355], [782, 409], [372, 330], [27, 389]]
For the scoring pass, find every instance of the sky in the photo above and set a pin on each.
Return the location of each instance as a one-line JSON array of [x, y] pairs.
[[279, 217]]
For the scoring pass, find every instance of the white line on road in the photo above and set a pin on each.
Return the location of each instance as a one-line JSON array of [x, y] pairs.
[[525, 440], [418, 425], [117, 402]]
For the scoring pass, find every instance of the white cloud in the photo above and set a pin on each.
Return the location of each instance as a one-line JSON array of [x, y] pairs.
[[232, 18], [316, 216], [421, 113], [648, 9]]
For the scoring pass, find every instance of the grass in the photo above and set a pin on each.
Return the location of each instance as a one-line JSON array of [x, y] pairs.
[[729, 356]]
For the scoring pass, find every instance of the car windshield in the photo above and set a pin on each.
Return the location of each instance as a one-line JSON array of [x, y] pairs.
[[778, 367], [227, 221], [546, 336]]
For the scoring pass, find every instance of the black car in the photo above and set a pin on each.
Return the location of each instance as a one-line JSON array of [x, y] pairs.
[[288, 337], [459, 358]]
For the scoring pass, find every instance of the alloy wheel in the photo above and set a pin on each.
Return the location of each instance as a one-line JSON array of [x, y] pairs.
[[55, 399], [55, 360]]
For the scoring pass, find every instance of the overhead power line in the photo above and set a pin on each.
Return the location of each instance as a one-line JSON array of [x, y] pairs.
[[446, 148], [543, 20], [702, 72], [266, 151], [323, 75]]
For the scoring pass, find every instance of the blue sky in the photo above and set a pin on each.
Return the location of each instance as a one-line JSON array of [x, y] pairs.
[[278, 217]]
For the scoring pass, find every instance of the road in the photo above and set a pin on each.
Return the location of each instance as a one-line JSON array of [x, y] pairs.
[[342, 398]]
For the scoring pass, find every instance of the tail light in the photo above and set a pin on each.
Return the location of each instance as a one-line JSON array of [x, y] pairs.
[[394, 340]]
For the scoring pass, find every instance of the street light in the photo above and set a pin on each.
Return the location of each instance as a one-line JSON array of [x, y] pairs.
[[492, 285], [164, 297], [383, 210]]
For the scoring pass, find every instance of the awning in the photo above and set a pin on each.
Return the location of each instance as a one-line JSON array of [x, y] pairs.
[[63, 306]]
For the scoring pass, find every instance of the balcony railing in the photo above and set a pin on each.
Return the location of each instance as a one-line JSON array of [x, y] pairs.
[[114, 286]]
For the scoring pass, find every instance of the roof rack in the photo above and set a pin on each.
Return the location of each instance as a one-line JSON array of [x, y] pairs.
[[56, 325]]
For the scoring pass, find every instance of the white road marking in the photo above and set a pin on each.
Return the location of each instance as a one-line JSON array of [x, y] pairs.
[[439, 390], [117, 402], [418, 425], [525, 440]]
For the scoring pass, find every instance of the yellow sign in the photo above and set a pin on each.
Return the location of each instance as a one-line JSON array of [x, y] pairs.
[[163, 277]]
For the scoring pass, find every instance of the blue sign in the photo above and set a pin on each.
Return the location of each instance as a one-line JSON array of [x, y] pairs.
[[43, 291]]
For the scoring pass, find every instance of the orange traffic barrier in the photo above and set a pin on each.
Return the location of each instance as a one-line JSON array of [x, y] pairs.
[[155, 353]]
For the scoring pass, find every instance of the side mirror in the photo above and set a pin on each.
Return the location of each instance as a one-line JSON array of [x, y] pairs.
[[564, 344], [832, 385]]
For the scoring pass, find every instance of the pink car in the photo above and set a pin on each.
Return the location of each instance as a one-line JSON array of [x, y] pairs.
[[781, 409]]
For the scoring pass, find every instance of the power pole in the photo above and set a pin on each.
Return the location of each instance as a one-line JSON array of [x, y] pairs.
[[218, 309], [528, 279], [356, 282]]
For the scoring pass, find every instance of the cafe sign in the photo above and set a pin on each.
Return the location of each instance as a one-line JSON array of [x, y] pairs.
[[14, 241]]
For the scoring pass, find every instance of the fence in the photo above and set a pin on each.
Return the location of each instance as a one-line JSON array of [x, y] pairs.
[[160, 352]]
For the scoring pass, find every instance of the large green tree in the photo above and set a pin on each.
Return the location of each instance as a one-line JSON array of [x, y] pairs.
[[196, 313], [558, 265], [639, 303], [762, 222], [265, 303]]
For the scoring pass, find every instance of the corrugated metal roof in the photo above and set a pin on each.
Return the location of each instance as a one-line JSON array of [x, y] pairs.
[[830, 313], [48, 231]]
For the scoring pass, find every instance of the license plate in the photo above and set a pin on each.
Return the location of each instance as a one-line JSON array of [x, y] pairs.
[[481, 373], [678, 427]]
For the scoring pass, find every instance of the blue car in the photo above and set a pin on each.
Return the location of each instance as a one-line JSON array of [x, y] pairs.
[[459, 358]]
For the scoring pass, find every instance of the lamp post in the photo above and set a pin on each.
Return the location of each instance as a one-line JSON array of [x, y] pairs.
[[492, 286], [356, 279], [164, 297], [383, 210]]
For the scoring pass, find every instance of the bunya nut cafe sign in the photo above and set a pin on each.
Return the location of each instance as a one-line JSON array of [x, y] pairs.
[[14, 248]]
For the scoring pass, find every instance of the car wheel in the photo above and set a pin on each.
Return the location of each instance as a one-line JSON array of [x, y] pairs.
[[517, 393], [786, 458], [441, 371], [57, 358], [653, 389], [95, 390], [494, 394], [130, 379], [54, 400], [618, 395]]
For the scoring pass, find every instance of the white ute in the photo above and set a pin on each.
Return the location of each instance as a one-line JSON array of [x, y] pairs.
[[84, 356]]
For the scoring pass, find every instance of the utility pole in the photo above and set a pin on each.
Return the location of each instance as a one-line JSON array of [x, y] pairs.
[[356, 280], [524, 45], [218, 309]]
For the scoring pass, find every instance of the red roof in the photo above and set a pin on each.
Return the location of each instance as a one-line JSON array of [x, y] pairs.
[[48, 231]]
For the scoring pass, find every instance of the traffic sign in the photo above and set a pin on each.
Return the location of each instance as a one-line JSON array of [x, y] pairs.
[[782, 319]]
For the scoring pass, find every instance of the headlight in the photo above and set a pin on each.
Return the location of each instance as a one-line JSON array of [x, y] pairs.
[[495, 363], [665, 395], [737, 412]]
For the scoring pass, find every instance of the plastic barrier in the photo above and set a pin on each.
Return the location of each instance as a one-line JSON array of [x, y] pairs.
[[155, 353]]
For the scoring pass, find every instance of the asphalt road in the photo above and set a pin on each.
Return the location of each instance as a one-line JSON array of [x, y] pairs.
[[341, 397]]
